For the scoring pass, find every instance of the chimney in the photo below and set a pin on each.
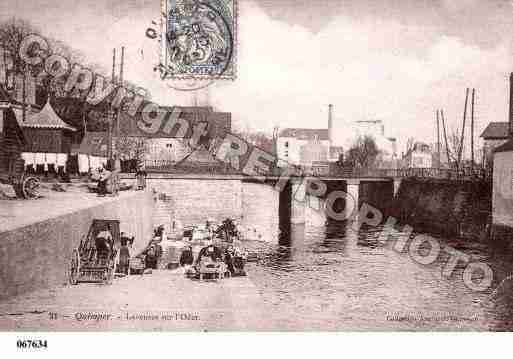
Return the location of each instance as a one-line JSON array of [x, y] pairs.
[[330, 123], [510, 117]]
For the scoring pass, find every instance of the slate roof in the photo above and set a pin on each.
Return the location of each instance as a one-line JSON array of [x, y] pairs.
[[46, 118], [496, 130], [306, 133]]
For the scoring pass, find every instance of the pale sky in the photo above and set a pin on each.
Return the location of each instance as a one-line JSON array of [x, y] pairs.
[[396, 61]]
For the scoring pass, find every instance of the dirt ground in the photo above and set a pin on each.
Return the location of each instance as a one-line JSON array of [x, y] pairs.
[[161, 301]]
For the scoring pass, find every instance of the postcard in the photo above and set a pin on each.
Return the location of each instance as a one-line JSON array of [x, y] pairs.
[[255, 166]]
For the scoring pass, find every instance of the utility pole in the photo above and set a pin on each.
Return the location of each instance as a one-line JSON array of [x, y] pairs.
[[110, 113], [438, 139], [445, 137], [472, 130], [460, 149], [121, 83]]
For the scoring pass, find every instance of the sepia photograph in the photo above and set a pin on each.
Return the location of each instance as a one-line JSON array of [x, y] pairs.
[[255, 166]]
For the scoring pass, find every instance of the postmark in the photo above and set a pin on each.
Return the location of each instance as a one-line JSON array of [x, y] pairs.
[[198, 42]]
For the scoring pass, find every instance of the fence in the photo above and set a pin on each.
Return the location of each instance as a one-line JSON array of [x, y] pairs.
[[325, 170]]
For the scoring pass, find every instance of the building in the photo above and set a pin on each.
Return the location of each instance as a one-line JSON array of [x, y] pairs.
[[502, 162], [419, 156], [49, 139], [174, 148], [303, 146], [12, 139], [495, 134]]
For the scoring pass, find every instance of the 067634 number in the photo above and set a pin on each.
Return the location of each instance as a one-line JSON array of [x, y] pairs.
[[32, 344]]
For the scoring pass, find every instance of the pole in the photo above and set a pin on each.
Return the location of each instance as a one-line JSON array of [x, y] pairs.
[[460, 149], [121, 83], [113, 65], [110, 113], [472, 130], [445, 137], [438, 138]]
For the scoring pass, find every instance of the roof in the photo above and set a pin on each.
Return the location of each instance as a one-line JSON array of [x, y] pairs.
[[46, 118], [94, 144], [306, 133], [496, 130]]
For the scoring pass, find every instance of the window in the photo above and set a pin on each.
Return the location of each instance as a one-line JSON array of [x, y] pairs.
[[169, 145], [287, 144]]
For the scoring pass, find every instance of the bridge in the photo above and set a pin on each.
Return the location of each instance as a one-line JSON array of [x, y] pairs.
[[324, 172], [304, 187]]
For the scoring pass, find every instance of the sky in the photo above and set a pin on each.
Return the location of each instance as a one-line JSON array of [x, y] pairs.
[[395, 61]]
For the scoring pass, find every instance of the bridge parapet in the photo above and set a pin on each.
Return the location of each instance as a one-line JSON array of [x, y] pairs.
[[331, 171]]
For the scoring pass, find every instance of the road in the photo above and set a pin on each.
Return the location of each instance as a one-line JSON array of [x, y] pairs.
[[161, 301]]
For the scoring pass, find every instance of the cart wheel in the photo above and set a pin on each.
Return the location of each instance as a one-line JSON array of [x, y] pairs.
[[74, 270], [30, 187]]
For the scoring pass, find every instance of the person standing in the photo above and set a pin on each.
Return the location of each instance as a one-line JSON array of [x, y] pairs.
[[124, 258]]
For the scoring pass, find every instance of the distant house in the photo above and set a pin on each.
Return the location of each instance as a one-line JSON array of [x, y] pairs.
[[419, 156], [495, 134], [303, 146], [174, 148], [336, 153]]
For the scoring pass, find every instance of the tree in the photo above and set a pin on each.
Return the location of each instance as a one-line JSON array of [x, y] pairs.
[[363, 153]]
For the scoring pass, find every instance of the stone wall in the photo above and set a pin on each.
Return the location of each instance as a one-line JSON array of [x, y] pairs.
[[448, 208], [188, 202], [38, 255]]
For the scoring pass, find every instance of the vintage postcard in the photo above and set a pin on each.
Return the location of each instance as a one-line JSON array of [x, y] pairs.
[[255, 165]]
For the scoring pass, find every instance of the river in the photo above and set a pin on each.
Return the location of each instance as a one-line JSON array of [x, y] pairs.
[[323, 276], [328, 277]]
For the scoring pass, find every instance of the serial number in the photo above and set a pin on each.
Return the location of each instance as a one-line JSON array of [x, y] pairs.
[[32, 344]]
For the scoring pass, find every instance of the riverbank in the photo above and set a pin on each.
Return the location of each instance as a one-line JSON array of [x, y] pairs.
[[37, 237], [161, 301]]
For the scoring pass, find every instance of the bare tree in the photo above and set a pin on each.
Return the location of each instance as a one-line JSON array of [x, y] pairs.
[[363, 154]]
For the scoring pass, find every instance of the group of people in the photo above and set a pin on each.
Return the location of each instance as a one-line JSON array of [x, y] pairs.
[[108, 177], [232, 257]]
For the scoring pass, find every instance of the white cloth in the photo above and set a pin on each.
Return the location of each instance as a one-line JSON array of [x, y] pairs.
[[39, 158], [51, 159], [28, 157], [61, 159], [83, 163]]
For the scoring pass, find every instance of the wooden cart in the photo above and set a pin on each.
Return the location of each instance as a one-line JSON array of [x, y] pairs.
[[24, 186], [95, 258], [12, 142]]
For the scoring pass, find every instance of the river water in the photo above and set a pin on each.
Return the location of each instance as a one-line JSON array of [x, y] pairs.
[[325, 276]]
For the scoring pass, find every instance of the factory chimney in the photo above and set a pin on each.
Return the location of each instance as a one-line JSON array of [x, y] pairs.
[[330, 123]]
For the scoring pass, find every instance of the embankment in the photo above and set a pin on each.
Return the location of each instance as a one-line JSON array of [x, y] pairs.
[[448, 208], [36, 255]]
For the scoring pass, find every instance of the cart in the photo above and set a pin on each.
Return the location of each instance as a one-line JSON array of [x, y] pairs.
[[12, 172], [94, 260]]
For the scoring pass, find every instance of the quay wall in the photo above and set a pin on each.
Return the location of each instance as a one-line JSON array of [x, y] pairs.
[[449, 208], [37, 256], [187, 202]]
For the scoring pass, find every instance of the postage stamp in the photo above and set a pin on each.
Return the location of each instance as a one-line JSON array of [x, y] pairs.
[[198, 39]]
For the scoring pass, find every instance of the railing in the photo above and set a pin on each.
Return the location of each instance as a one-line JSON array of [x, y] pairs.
[[331, 170], [439, 173]]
